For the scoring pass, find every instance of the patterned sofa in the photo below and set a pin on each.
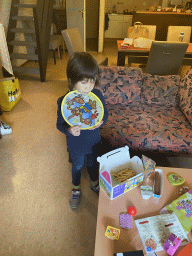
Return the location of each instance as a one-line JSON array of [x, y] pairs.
[[146, 112]]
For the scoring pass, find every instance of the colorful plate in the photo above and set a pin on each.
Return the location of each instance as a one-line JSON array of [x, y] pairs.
[[78, 109], [175, 179]]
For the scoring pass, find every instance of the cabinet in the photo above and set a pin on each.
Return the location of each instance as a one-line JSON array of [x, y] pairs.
[[118, 25]]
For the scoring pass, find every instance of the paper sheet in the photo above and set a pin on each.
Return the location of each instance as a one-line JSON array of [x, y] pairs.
[[128, 41]]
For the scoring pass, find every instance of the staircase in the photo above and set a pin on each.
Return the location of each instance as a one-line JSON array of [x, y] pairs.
[[36, 32]]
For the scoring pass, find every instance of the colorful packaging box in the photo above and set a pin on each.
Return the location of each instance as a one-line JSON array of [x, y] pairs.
[[112, 233], [115, 161], [171, 244]]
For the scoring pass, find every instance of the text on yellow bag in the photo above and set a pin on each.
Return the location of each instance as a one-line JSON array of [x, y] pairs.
[[10, 93]]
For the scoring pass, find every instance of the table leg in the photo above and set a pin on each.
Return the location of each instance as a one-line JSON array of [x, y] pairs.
[[121, 59], [187, 61]]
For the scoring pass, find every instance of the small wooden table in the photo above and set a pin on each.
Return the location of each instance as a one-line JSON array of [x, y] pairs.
[[109, 211], [134, 51]]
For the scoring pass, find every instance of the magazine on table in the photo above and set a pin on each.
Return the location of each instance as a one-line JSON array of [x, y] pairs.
[[155, 230], [182, 207]]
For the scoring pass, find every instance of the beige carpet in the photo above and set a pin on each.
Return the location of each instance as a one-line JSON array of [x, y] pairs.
[[35, 176]]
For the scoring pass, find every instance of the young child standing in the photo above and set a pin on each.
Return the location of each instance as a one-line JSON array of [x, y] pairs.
[[83, 145]]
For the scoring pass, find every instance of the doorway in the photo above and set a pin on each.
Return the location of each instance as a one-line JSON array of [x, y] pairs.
[[92, 24]]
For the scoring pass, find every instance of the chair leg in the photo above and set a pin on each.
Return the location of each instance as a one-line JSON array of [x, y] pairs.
[[59, 53], [54, 57], [64, 48]]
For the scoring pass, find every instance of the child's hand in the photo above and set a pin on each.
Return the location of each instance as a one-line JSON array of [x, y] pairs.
[[97, 126], [75, 130]]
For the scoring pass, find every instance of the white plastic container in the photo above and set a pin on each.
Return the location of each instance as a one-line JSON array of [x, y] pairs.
[[146, 195], [115, 161]]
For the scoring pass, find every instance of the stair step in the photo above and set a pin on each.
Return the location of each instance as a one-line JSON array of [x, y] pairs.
[[23, 30], [22, 43], [22, 18], [24, 56], [25, 5], [26, 70]]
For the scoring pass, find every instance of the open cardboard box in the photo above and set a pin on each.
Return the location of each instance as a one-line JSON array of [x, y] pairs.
[[115, 161]]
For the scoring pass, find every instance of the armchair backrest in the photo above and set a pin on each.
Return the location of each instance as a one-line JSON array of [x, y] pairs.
[[72, 40], [165, 58], [120, 85], [152, 31], [174, 32]]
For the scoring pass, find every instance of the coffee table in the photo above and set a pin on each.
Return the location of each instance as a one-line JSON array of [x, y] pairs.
[[134, 51], [109, 211]]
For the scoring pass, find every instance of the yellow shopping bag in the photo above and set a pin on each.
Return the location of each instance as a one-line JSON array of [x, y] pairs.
[[10, 93]]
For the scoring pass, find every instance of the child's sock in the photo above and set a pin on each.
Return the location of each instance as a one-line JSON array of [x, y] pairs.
[[94, 183], [76, 188]]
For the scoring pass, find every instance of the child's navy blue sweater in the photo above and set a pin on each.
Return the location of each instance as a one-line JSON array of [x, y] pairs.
[[87, 138]]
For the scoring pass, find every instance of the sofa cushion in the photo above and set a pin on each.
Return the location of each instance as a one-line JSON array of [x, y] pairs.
[[145, 126], [120, 84], [161, 90], [185, 95]]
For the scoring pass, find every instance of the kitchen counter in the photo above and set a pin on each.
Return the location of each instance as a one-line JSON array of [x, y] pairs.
[[164, 20], [115, 14], [148, 12]]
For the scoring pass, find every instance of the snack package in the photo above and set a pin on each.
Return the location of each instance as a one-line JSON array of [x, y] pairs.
[[112, 233], [148, 177], [157, 184], [123, 175], [125, 221]]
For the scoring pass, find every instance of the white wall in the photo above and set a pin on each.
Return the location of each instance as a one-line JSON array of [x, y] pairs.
[[101, 26], [131, 4], [5, 6], [141, 5]]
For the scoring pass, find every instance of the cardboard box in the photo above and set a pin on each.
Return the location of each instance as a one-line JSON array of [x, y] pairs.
[[115, 161]]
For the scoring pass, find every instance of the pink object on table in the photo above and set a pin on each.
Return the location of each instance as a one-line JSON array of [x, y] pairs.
[[171, 244], [132, 210], [126, 221], [106, 176]]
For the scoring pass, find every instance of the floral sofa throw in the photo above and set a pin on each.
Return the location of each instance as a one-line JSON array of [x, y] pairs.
[[144, 111]]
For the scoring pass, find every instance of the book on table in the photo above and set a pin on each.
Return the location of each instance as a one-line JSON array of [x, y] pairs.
[[155, 230], [182, 207]]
